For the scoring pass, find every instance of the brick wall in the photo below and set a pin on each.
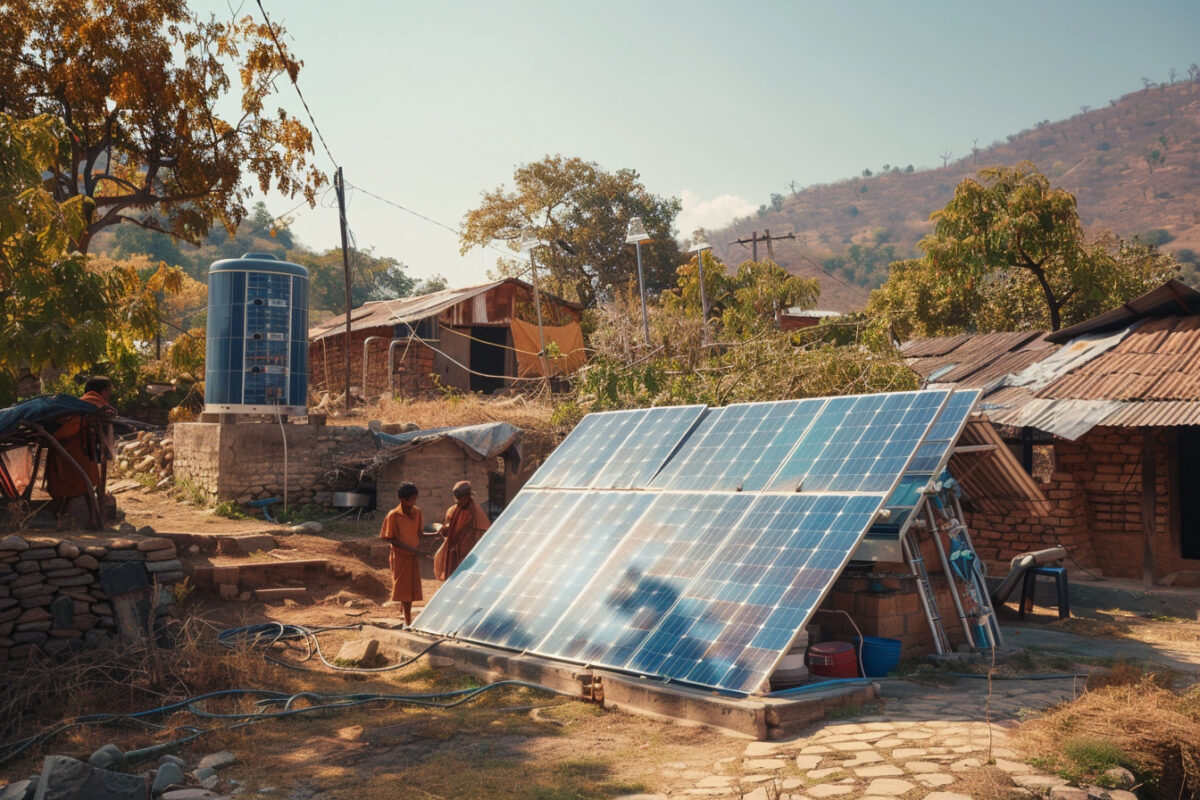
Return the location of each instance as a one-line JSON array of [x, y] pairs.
[[326, 365], [1096, 491], [435, 469]]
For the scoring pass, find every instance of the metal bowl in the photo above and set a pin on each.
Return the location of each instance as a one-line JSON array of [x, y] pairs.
[[352, 499]]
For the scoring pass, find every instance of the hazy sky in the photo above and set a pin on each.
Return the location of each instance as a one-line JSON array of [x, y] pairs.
[[428, 104]]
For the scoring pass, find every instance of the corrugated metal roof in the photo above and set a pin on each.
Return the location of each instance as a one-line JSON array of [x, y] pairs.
[[1173, 298], [381, 313], [973, 360], [993, 478]]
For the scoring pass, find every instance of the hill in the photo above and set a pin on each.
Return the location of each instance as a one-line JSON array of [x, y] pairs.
[[1133, 166]]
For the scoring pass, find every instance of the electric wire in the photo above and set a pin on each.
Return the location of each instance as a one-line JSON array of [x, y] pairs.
[[292, 77]]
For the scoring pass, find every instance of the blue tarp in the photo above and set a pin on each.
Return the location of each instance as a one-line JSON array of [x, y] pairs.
[[43, 410]]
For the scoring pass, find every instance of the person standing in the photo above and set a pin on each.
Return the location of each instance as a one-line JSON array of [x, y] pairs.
[[402, 529], [85, 450], [464, 526]]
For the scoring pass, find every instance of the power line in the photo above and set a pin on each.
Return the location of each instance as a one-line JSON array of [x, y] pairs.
[[291, 72]]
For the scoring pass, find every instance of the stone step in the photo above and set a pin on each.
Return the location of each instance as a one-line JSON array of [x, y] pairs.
[[256, 574]]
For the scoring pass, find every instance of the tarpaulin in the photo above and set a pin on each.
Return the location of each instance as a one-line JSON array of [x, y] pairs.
[[568, 338], [486, 440]]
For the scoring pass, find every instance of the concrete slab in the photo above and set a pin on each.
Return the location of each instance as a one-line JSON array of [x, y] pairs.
[[754, 717]]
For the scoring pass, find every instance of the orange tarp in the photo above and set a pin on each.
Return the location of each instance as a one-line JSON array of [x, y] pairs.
[[568, 338]]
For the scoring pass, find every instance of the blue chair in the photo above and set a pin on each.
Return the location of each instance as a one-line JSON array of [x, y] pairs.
[[1029, 587], [265, 504]]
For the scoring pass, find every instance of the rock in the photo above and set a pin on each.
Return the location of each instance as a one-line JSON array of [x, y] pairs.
[[159, 543], [217, 760], [39, 553], [168, 775], [194, 550], [1121, 778], [126, 529], [67, 549], [67, 779], [190, 794], [155, 567], [168, 758], [1100, 793], [107, 756], [14, 543], [210, 781], [20, 790], [146, 530], [86, 562], [204, 773], [311, 527], [359, 652]]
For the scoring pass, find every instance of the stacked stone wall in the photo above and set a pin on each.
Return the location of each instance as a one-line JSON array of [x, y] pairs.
[[51, 596]]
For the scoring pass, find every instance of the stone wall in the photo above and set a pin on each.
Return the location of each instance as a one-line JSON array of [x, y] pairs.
[[52, 591], [244, 460]]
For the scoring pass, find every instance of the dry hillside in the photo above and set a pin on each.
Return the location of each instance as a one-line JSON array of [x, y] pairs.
[[1133, 166]]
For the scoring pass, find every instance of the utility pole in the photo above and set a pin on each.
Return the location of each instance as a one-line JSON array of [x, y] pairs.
[[766, 237], [339, 186]]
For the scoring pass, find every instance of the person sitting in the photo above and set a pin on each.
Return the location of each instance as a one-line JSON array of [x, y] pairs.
[[464, 526]]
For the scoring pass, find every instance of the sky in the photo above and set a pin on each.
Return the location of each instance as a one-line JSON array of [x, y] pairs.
[[429, 104]]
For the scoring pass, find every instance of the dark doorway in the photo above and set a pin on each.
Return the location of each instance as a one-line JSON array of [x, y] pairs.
[[1189, 492], [487, 357]]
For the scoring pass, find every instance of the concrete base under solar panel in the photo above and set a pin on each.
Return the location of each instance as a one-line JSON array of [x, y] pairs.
[[754, 717]]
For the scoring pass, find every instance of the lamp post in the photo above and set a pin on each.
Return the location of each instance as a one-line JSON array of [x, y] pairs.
[[635, 234], [701, 244], [529, 241]]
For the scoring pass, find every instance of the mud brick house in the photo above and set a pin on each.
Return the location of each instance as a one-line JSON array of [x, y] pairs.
[[1107, 413], [475, 339]]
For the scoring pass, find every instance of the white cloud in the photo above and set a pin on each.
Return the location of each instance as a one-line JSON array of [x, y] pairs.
[[714, 213]]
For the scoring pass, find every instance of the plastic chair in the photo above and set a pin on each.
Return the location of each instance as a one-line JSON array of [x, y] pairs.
[[1029, 588], [265, 504]]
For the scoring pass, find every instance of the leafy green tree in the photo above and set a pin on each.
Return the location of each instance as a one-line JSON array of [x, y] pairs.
[[1009, 253], [371, 278], [54, 311], [582, 211], [138, 85]]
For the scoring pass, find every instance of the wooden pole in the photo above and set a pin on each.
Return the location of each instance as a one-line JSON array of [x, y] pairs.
[[339, 186]]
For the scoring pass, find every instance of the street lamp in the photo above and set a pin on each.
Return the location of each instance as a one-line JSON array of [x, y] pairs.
[[635, 234], [529, 242], [698, 247]]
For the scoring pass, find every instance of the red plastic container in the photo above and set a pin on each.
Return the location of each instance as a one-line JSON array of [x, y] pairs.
[[833, 660]]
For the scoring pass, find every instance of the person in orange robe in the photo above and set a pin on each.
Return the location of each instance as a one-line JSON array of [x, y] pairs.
[[402, 529], [464, 526], [63, 480]]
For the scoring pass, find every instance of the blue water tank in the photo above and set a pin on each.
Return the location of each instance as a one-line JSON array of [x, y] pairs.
[[257, 356]]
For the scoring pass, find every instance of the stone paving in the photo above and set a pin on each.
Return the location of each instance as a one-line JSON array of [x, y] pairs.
[[919, 742]]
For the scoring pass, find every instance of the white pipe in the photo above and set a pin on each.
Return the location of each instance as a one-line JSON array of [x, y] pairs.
[[366, 345]]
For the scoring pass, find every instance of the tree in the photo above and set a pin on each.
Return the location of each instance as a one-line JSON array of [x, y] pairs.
[[372, 278], [1009, 253], [137, 84], [582, 211]]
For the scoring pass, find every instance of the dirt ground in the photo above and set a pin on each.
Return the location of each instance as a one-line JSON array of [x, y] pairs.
[[511, 743]]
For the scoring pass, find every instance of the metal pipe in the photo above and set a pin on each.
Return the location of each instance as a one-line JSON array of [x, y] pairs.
[[642, 292], [703, 300], [392, 365], [537, 303], [366, 345], [937, 538]]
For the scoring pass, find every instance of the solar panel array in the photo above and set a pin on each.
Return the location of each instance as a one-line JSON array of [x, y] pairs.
[[692, 543]]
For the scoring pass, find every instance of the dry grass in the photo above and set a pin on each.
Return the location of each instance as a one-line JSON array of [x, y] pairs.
[[1151, 731]]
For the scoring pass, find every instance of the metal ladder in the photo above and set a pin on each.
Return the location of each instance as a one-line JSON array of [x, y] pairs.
[[917, 562]]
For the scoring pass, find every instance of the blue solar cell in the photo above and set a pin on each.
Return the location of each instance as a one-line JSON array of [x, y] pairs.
[[756, 590], [485, 575], [646, 447], [738, 447], [616, 449], [934, 450], [859, 444], [585, 535]]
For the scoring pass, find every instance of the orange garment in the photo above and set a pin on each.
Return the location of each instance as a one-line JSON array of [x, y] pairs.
[[406, 570], [462, 530], [78, 439]]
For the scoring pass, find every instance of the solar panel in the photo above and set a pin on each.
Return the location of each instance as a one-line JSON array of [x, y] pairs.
[[859, 444], [616, 449], [738, 447], [693, 544]]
